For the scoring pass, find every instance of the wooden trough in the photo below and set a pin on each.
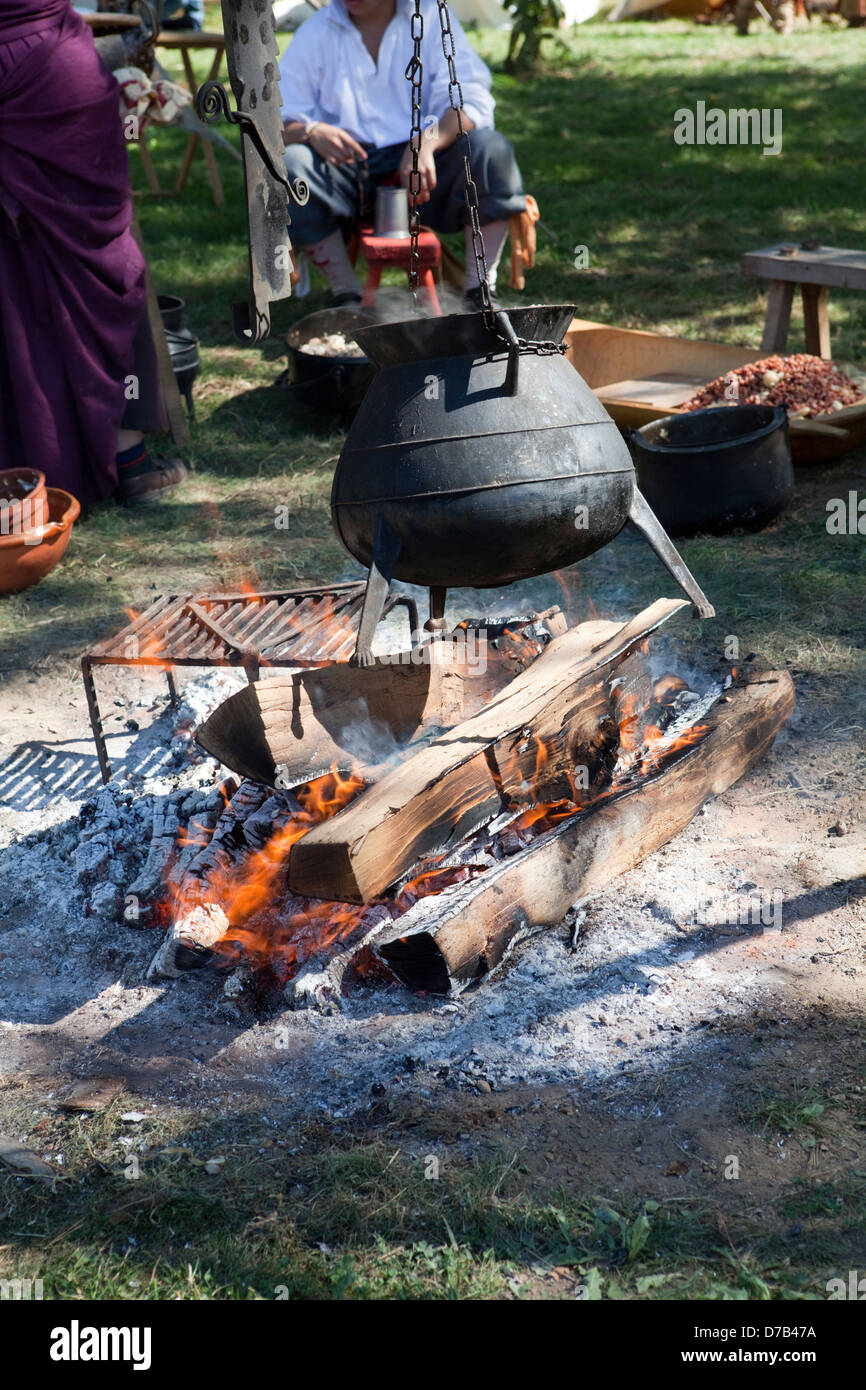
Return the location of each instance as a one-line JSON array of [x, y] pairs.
[[641, 376]]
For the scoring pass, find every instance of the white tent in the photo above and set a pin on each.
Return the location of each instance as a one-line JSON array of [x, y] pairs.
[[579, 11]]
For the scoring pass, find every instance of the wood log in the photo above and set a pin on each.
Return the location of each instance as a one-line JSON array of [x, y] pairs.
[[203, 871], [448, 941], [560, 705], [289, 729]]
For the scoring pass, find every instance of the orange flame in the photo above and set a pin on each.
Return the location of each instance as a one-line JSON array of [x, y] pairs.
[[321, 799], [251, 895], [433, 881], [658, 748], [628, 722], [144, 643], [268, 925]]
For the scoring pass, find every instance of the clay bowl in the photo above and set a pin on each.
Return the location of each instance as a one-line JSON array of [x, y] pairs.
[[28, 556], [18, 483]]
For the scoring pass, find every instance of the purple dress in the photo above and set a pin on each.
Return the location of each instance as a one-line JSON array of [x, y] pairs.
[[72, 289]]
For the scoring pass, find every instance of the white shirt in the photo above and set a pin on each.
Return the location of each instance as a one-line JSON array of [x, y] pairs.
[[327, 74]]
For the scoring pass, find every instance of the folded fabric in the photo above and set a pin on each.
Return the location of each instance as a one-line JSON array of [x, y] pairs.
[[158, 103]]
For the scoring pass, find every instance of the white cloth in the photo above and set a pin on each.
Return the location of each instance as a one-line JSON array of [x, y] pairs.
[[326, 74]]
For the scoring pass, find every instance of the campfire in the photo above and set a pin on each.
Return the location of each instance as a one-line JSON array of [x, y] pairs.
[[412, 821]]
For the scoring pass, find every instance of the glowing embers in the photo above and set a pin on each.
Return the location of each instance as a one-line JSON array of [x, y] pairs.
[[237, 912]]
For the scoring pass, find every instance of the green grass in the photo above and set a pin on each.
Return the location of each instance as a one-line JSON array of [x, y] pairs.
[[802, 1116], [320, 1213], [665, 226], [310, 1214]]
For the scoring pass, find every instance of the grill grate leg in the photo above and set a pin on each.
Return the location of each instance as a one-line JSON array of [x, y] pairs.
[[95, 718]]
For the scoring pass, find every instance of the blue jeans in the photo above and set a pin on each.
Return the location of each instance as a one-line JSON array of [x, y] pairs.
[[335, 190]]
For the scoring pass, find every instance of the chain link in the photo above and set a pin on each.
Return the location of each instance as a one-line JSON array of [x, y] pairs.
[[455, 90], [414, 72], [542, 347]]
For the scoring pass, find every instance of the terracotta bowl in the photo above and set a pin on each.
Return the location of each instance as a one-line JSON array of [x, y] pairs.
[[28, 556], [18, 483]]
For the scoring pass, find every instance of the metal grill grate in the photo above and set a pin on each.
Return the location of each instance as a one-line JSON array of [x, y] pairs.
[[297, 627]]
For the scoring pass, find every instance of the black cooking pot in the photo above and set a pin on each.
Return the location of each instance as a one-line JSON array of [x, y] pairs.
[[172, 308], [482, 474], [185, 362], [335, 385], [714, 470], [480, 457]]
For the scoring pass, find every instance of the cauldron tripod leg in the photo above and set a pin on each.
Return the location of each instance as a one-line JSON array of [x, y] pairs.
[[648, 523], [386, 548], [436, 621]]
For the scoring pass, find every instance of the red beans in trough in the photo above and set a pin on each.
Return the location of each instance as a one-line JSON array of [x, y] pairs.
[[803, 384]]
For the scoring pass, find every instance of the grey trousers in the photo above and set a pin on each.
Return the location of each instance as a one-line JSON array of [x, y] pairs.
[[336, 191]]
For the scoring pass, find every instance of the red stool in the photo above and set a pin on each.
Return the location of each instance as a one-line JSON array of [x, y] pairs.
[[380, 251]]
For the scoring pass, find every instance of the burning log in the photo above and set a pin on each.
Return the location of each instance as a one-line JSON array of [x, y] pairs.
[[174, 844], [197, 922], [189, 941], [553, 719], [233, 891], [163, 840], [447, 941], [293, 727], [288, 729]]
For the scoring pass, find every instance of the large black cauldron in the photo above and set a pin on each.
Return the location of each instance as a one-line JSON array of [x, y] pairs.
[[472, 463]]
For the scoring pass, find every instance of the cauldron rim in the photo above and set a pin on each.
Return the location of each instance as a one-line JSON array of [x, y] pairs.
[[765, 420], [459, 335], [345, 318]]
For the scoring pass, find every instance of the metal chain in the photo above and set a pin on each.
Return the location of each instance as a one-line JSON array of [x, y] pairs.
[[414, 73], [470, 188]]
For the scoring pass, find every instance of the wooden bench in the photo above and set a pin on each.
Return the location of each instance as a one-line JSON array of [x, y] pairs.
[[184, 41], [815, 269]]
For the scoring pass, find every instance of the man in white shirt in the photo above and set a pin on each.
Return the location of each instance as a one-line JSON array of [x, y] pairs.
[[347, 122]]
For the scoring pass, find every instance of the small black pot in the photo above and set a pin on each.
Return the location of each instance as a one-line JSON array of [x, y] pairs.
[[335, 385], [172, 309], [712, 471], [185, 363]]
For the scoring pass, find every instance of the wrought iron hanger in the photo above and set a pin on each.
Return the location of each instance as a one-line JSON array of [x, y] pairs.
[[251, 55]]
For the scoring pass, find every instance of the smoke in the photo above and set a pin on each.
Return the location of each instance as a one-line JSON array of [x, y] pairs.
[[394, 303], [367, 739]]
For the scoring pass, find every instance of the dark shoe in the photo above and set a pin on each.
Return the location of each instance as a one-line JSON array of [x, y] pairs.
[[472, 300], [149, 478], [340, 301]]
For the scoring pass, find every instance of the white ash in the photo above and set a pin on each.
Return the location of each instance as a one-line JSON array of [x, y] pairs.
[[643, 988]]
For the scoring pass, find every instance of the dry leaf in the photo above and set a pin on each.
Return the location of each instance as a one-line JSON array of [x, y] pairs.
[[93, 1093], [24, 1161]]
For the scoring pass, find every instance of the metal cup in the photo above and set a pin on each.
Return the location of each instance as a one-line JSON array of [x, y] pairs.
[[392, 212]]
